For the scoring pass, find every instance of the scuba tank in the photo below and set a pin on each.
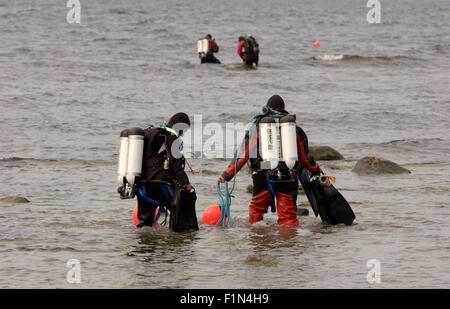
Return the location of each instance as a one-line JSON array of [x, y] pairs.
[[288, 133], [135, 154], [269, 143], [202, 47], [278, 153], [131, 157], [130, 161], [123, 156]]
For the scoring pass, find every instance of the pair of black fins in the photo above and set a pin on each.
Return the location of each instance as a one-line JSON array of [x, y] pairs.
[[183, 217], [326, 201]]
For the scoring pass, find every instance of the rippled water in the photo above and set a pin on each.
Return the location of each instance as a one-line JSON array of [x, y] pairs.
[[66, 91]]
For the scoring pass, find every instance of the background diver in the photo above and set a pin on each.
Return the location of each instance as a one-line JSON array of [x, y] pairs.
[[212, 48], [248, 50]]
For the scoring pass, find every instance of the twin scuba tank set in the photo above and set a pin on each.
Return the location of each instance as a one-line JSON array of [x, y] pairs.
[[202, 48], [130, 161], [131, 156], [278, 145]]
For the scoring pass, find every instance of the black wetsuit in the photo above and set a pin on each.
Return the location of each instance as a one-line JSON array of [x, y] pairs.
[[253, 58], [210, 58], [158, 177]]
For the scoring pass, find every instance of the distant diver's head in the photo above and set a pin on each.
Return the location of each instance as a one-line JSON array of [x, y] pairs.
[[208, 36], [276, 103], [180, 123], [241, 38]]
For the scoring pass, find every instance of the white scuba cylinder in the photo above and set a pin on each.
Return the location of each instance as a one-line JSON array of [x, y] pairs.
[[269, 143], [288, 130], [135, 154], [202, 46], [123, 156]]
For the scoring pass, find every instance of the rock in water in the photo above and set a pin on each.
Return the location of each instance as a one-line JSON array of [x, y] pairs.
[[250, 189], [14, 199], [378, 166], [302, 212], [325, 153], [300, 190]]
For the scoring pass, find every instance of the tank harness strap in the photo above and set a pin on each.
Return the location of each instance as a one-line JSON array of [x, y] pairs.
[[172, 131], [271, 187], [169, 129]]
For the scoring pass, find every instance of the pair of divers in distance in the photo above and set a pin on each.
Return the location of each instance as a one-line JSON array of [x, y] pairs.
[[247, 49], [152, 168]]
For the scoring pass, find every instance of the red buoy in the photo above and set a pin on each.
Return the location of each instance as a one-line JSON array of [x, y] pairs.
[[317, 44], [134, 215], [211, 214]]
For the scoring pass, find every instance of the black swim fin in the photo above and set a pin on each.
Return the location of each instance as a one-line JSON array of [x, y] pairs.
[[326, 201], [305, 181], [183, 217]]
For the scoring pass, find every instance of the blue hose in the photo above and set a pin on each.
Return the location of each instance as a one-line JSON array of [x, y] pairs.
[[225, 197], [225, 203]]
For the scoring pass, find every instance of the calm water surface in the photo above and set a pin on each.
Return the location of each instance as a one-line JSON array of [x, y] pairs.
[[66, 91]]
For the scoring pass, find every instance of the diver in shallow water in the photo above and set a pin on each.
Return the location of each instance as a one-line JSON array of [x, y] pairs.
[[164, 183], [278, 182], [248, 50], [212, 49]]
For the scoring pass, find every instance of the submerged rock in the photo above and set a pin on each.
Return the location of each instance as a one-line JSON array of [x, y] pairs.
[[302, 211], [300, 191], [374, 165], [325, 153], [209, 172], [14, 199]]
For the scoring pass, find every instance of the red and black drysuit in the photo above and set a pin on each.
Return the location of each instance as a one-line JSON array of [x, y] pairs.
[[157, 180], [246, 56], [285, 193]]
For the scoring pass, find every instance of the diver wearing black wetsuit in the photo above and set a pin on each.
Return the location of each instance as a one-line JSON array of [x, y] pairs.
[[162, 167]]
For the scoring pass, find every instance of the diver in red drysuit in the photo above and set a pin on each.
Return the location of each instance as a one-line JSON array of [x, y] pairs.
[[285, 193]]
